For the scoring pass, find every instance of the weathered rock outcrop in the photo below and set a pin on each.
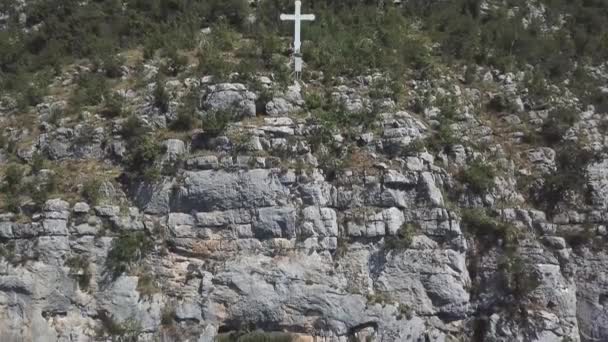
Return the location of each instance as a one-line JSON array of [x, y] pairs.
[[375, 222]]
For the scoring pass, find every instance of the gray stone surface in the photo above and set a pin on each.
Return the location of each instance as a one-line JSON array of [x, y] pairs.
[[342, 234], [232, 97], [220, 190]]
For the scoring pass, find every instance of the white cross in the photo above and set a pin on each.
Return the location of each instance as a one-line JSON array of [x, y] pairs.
[[297, 18]]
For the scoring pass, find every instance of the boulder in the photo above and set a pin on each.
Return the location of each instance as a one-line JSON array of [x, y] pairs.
[[231, 97], [220, 190]]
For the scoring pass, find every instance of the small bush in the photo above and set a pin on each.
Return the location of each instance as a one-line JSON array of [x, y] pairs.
[[128, 331], [488, 229], [146, 285], [405, 311], [161, 97], [12, 178], [186, 118], [30, 96], [91, 191], [578, 238], [133, 128], [126, 250], [3, 141], [385, 88], [174, 63], [402, 240], [223, 37], [448, 105], [442, 139], [255, 337], [90, 91], [7, 251], [113, 106], [314, 100], [55, 115], [142, 156], [569, 176], [40, 192], [12, 203], [479, 177], [215, 123], [38, 162], [185, 121], [517, 278], [501, 103], [167, 317], [379, 297], [559, 121], [212, 62], [86, 134], [79, 269], [112, 66]]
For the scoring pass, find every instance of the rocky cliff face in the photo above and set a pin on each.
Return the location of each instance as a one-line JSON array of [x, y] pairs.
[[454, 206], [252, 231]]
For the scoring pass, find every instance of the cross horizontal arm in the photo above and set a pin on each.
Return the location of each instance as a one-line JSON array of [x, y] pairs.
[[288, 17], [310, 17]]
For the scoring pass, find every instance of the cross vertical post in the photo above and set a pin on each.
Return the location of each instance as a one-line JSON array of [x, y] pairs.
[[297, 18]]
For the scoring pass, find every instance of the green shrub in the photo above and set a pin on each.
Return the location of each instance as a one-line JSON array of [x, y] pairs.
[[314, 100], [91, 89], [405, 311], [379, 297], [79, 269], [161, 97], [112, 66], [91, 191], [578, 238], [223, 37], [501, 103], [402, 240], [559, 121], [255, 337], [234, 11], [113, 106], [489, 229], [386, 88], [12, 203], [214, 123], [517, 278], [4, 141], [133, 128], [126, 250], [55, 115], [146, 285], [86, 134], [13, 177], [7, 251], [174, 62], [212, 62], [167, 317], [442, 139], [127, 331], [478, 176], [41, 192], [186, 118], [448, 105], [342, 248], [141, 158], [570, 176], [184, 121], [30, 96], [38, 162]]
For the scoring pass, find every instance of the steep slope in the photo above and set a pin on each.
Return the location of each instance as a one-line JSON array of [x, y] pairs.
[[408, 189]]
